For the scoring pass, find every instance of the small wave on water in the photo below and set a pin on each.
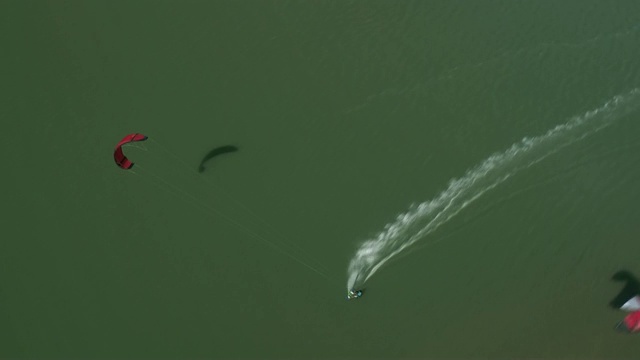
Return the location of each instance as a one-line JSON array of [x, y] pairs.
[[422, 219]]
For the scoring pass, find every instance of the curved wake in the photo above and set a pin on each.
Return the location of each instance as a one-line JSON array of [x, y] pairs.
[[421, 220]]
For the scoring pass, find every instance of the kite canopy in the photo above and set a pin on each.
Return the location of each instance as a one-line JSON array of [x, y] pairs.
[[118, 155], [631, 322], [632, 304]]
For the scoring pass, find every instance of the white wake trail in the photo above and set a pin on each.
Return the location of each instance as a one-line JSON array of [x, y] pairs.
[[421, 220]]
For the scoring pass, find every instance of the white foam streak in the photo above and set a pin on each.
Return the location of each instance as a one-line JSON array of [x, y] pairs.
[[421, 220]]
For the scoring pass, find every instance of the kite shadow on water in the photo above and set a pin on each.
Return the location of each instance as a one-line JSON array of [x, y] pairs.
[[630, 289], [215, 152]]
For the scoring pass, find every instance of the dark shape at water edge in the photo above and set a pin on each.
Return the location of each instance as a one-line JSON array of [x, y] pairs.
[[630, 289], [215, 152]]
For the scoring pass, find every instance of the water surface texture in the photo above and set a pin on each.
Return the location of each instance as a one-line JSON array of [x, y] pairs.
[[473, 165]]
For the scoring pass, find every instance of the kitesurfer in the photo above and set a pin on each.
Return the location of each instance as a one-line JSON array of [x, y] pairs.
[[354, 294]]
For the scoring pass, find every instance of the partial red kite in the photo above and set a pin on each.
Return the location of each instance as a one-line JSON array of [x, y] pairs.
[[118, 155]]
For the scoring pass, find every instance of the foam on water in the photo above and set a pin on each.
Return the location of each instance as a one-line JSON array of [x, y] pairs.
[[422, 219]]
